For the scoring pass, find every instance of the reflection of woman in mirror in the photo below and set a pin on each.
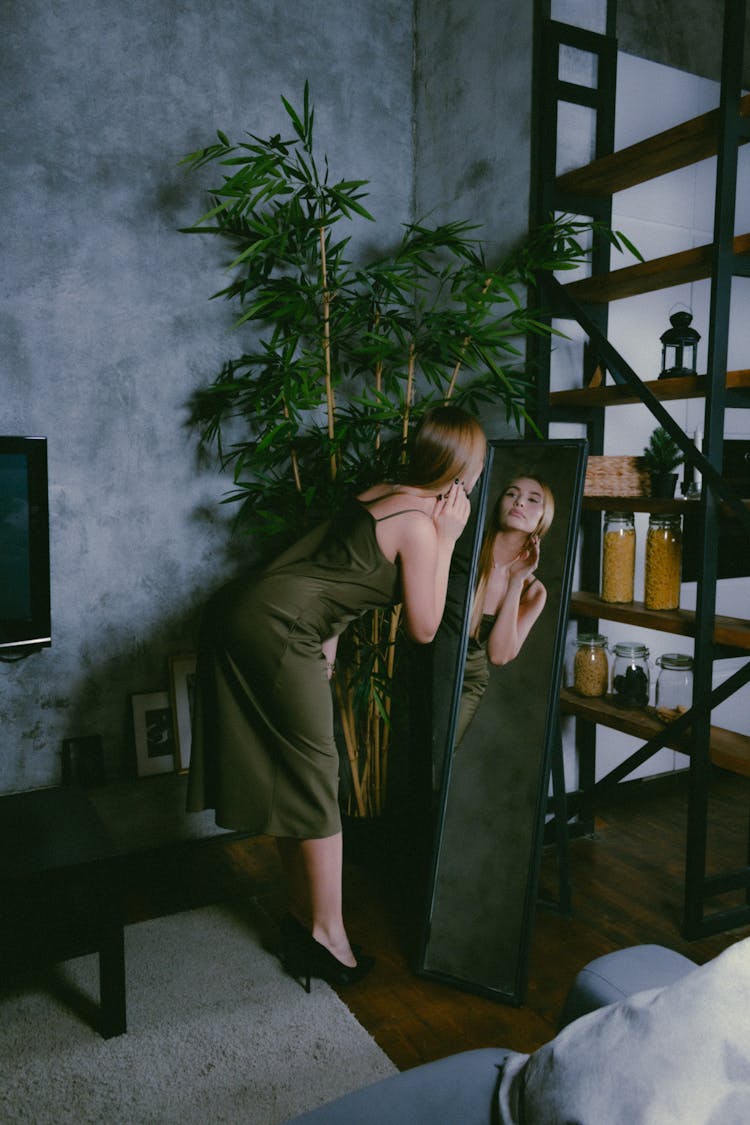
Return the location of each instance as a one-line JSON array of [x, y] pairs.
[[509, 597]]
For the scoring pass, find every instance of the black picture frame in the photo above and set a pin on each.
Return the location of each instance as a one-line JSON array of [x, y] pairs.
[[492, 790]]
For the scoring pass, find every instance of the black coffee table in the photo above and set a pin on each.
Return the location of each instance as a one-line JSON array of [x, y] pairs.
[[59, 891]]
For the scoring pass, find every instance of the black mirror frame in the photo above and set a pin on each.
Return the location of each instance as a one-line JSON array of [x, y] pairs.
[[511, 988]]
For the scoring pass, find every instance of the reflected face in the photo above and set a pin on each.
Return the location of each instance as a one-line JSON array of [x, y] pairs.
[[521, 506]]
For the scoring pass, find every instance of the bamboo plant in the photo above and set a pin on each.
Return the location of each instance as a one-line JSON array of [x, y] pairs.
[[343, 357]]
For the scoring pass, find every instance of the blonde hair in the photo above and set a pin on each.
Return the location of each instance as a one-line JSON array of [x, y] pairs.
[[449, 444], [484, 566]]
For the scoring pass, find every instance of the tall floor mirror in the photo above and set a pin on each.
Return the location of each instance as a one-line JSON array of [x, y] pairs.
[[496, 670]]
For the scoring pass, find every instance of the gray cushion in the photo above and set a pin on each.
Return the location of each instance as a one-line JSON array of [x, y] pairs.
[[459, 1089], [619, 974], [678, 1055]]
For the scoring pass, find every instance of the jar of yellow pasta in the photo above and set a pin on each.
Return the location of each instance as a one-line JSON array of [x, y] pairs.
[[590, 665], [618, 557], [663, 562]]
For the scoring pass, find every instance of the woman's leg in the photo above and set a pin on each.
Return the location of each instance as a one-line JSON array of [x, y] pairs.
[[313, 870]]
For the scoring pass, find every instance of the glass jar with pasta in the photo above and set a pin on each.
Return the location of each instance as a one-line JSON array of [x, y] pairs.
[[663, 562], [618, 557], [590, 665]]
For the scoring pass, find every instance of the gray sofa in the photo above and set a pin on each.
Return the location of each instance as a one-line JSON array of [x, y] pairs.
[[645, 1037]]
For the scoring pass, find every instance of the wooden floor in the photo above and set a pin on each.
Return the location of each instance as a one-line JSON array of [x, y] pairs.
[[627, 882]]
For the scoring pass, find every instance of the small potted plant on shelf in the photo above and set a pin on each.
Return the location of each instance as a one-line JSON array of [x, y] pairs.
[[661, 457]]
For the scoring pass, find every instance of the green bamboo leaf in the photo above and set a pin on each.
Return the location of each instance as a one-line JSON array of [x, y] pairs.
[[299, 128], [629, 245]]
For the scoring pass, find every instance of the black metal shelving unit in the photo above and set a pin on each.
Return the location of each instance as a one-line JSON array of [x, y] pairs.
[[588, 192]]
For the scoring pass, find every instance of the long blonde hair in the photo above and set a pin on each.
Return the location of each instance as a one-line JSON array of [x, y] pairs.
[[449, 444], [484, 566]]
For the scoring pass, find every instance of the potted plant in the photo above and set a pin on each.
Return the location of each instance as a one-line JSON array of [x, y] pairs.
[[342, 356], [661, 456]]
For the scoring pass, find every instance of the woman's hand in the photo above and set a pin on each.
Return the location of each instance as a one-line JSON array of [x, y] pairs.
[[329, 647], [451, 513], [526, 561]]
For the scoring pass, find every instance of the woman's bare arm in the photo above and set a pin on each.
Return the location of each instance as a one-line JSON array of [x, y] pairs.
[[330, 647], [425, 549], [520, 607]]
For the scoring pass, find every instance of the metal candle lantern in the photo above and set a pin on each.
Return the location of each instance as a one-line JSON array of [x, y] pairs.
[[684, 340]]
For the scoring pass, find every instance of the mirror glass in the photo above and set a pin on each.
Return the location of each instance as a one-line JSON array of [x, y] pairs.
[[496, 669]]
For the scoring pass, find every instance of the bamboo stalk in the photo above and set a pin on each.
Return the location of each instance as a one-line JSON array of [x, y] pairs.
[[390, 663], [378, 380], [293, 455], [367, 771], [331, 404], [350, 739], [464, 346], [377, 721], [409, 393], [374, 788]]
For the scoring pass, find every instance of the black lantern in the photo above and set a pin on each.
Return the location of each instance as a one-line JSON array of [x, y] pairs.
[[684, 340]]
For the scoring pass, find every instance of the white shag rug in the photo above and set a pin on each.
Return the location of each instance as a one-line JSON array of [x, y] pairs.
[[217, 1033]]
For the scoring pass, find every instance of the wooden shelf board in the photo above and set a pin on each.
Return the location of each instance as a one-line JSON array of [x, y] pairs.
[[640, 504], [678, 147], [729, 749], [733, 631], [619, 394], [647, 277], [649, 504]]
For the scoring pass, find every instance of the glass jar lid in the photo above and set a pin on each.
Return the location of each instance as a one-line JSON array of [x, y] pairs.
[[592, 640], [675, 660], [632, 649], [664, 519]]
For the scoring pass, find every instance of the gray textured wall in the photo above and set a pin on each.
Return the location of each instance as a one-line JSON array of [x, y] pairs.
[[105, 322], [685, 34], [473, 115]]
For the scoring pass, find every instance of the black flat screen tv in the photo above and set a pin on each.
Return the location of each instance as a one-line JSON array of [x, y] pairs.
[[24, 546]]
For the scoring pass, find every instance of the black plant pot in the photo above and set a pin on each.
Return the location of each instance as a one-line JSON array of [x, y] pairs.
[[663, 485]]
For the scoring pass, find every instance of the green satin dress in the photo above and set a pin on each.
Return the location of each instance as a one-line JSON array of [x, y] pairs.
[[476, 677], [263, 753]]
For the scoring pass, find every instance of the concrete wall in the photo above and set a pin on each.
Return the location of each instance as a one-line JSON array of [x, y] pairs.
[[105, 321], [685, 34], [473, 115]]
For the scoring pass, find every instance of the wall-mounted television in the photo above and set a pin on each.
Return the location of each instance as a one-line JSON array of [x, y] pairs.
[[24, 546]]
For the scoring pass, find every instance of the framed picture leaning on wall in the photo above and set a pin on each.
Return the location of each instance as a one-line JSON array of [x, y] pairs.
[[181, 685], [154, 738]]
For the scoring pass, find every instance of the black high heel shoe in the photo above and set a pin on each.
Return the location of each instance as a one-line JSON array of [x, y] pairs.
[[305, 958], [295, 934]]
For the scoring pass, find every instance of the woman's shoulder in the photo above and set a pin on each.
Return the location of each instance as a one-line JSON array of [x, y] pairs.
[[375, 493], [384, 501], [534, 590]]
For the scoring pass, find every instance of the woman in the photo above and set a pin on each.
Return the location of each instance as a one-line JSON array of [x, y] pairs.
[[509, 597], [263, 753]]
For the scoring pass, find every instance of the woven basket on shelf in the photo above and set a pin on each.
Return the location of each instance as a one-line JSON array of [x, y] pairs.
[[616, 476]]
